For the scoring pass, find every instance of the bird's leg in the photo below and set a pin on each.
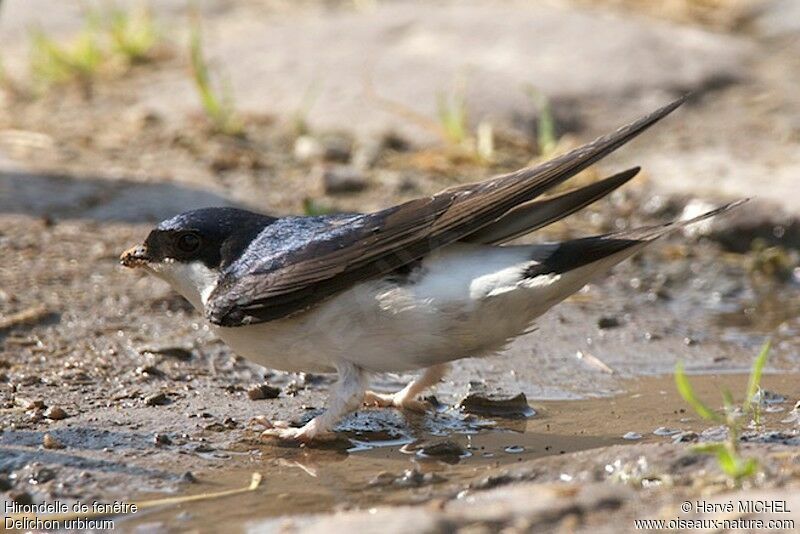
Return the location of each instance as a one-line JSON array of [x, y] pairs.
[[345, 397], [406, 398]]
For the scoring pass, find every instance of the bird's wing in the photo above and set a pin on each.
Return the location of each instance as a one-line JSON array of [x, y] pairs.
[[306, 271], [538, 213]]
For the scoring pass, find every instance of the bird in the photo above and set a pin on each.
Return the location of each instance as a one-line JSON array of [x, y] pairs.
[[411, 287]]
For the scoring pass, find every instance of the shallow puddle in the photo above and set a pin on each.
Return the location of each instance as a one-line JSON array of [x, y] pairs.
[[382, 468]]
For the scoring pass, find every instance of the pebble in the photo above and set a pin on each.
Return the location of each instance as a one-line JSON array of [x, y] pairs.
[[149, 370], [367, 153], [342, 179], [384, 478], [42, 475], [29, 404], [446, 448], [23, 498], [632, 436], [179, 353], [161, 440], [686, 437], [49, 442], [56, 413], [764, 396], [307, 148], [513, 407], [411, 478], [664, 431], [263, 391], [159, 399], [337, 148], [607, 322], [188, 477]]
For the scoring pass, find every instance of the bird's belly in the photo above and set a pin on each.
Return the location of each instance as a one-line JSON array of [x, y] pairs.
[[385, 326], [278, 345]]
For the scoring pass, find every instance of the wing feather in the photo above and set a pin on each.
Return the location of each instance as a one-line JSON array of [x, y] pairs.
[[383, 241]]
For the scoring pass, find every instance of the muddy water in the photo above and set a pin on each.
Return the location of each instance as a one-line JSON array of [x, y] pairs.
[[371, 468]]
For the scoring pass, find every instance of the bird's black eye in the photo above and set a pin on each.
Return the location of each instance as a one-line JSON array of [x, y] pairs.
[[188, 242]]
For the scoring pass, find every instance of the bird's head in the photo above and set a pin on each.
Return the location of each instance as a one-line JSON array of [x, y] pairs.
[[191, 249]]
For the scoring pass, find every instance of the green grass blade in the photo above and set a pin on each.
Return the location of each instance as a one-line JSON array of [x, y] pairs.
[[755, 375], [687, 392]]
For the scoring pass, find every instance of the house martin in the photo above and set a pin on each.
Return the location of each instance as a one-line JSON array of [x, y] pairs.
[[411, 287]]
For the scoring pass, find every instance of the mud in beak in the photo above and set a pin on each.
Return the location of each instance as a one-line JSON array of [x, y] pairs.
[[135, 257]]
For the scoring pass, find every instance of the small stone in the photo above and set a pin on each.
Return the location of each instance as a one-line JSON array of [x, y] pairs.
[[384, 478], [230, 423], [35, 416], [443, 449], [513, 407], [179, 353], [342, 179], [716, 433], [29, 404], [367, 153], [632, 436], [159, 399], [336, 148], [664, 431], [149, 370], [764, 396], [607, 322], [161, 440], [307, 148], [42, 475], [22, 498], [188, 477], [413, 478], [30, 380], [686, 437], [49, 442], [263, 391], [56, 413]]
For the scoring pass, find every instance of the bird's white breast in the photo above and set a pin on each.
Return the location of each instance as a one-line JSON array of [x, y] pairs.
[[463, 300]]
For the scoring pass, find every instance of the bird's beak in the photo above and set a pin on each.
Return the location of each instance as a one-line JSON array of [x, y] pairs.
[[135, 257]]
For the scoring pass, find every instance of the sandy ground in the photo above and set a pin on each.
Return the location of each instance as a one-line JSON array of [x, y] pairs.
[[120, 372]]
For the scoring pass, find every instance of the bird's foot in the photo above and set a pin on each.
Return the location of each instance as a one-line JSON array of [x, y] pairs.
[[395, 400], [280, 430]]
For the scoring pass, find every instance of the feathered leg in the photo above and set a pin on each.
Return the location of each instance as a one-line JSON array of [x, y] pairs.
[[406, 398], [345, 398]]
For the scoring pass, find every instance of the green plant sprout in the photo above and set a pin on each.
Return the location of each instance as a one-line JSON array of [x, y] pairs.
[[727, 453], [453, 117], [313, 208], [133, 34], [219, 109], [52, 63], [546, 139]]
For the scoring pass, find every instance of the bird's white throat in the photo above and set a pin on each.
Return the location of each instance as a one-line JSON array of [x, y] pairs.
[[193, 280]]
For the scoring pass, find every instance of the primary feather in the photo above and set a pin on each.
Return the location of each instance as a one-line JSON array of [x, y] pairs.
[[339, 253]]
